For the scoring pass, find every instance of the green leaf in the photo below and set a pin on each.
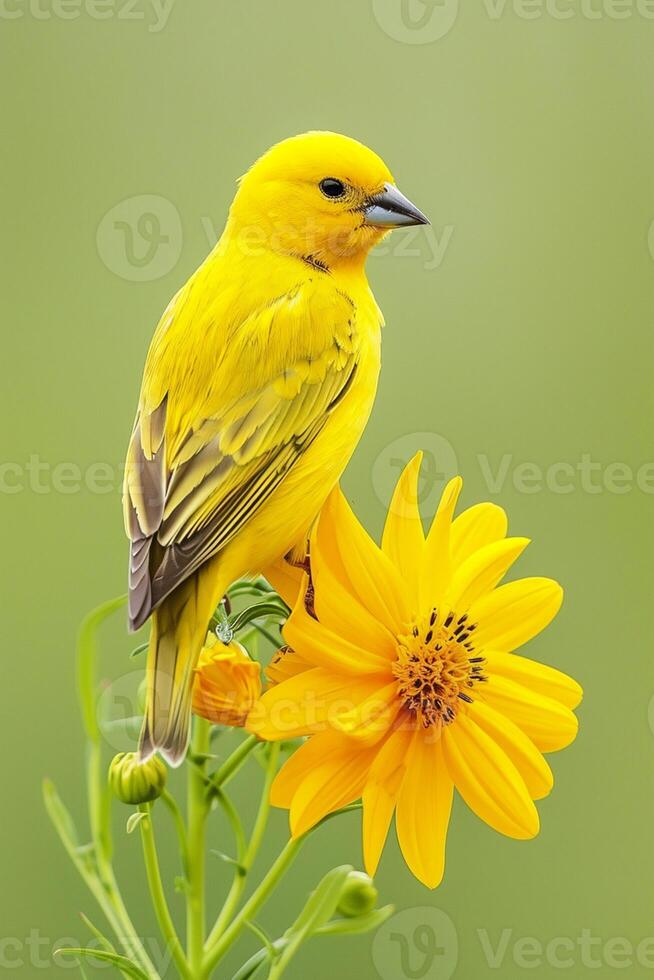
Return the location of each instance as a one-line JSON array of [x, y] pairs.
[[255, 965], [357, 925], [255, 587], [86, 658], [321, 904], [229, 860], [319, 908], [266, 608], [59, 815], [261, 935], [106, 943], [126, 966], [137, 651], [134, 820], [82, 855]]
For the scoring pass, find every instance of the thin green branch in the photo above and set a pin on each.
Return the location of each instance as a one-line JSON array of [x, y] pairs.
[[198, 806], [252, 906], [233, 763], [247, 860], [169, 801], [157, 893]]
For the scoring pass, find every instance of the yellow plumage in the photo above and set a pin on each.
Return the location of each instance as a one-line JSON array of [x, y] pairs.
[[257, 386]]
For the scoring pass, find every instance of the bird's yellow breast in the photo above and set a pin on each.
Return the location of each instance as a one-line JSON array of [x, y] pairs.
[[259, 351]]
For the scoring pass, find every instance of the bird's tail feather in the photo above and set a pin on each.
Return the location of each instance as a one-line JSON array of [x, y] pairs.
[[179, 628]]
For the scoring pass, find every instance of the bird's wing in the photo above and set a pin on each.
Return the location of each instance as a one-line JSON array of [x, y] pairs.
[[211, 443]]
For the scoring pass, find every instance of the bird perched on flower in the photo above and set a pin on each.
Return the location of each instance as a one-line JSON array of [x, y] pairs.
[[257, 386], [407, 682]]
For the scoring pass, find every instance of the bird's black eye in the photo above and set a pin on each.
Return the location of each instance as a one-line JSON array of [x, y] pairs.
[[332, 188]]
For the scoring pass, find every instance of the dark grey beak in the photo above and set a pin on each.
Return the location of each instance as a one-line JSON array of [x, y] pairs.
[[391, 209]]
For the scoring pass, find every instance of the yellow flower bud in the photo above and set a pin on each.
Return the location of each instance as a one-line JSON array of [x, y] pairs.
[[227, 683], [137, 782], [359, 895]]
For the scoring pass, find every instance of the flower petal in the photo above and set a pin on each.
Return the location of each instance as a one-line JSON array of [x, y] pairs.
[[435, 571], [289, 581], [339, 610], [372, 718], [535, 676], [480, 573], [335, 781], [521, 750], [475, 528], [372, 578], [284, 664], [306, 703], [380, 794], [487, 780], [316, 643], [514, 613], [404, 538], [301, 764], [423, 812], [548, 723]]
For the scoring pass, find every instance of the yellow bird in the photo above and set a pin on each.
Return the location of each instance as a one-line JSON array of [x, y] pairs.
[[257, 387]]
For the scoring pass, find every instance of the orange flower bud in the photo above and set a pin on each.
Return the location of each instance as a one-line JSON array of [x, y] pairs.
[[227, 683]]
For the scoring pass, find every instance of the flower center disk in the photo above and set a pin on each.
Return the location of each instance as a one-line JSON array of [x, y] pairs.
[[436, 667]]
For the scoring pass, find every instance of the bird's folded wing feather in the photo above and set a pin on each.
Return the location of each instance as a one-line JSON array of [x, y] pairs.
[[225, 412]]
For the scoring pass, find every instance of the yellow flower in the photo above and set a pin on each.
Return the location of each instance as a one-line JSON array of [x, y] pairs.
[[285, 663], [411, 686], [227, 683]]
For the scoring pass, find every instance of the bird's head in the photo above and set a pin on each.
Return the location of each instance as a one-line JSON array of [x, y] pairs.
[[319, 196]]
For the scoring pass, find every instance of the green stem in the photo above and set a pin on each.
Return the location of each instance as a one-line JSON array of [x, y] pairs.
[[157, 891], [235, 823], [252, 906], [247, 860], [99, 801], [169, 801], [197, 815], [232, 764], [274, 642]]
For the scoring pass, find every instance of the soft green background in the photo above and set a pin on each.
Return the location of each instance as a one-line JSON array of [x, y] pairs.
[[528, 140]]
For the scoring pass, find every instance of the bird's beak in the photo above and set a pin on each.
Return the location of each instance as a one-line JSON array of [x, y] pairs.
[[391, 209]]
